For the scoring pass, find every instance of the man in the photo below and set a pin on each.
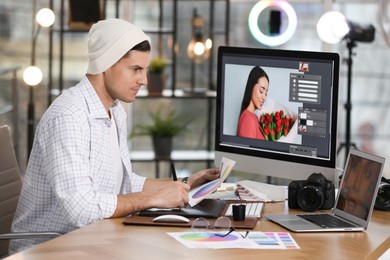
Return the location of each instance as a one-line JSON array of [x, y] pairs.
[[79, 170]]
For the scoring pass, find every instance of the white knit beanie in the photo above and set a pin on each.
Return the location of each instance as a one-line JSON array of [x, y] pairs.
[[109, 40]]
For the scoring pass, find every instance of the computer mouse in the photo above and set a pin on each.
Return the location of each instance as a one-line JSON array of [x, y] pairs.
[[171, 218]]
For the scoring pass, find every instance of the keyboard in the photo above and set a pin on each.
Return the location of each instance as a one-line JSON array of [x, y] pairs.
[[253, 209], [326, 220]]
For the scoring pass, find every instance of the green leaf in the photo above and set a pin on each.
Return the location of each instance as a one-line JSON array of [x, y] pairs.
[[157, 65], [171, 124]]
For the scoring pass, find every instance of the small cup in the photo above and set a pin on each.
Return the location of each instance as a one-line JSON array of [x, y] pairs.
[[239, 212]]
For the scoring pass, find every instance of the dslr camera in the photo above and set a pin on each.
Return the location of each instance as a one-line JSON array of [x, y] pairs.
[[382, 201], [312, 194]]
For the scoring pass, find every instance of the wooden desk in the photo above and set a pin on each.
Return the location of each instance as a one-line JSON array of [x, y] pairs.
[[380, 250], [110, 239]]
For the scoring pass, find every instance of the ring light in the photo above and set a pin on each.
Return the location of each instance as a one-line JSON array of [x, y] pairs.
[[272, 40]]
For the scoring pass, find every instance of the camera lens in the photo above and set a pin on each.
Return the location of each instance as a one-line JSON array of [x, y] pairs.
[[382, 201], [310, 198]]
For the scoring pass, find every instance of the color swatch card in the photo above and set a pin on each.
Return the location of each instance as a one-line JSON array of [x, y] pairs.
[[273, 240], [254, 240], [198, 194], [210, 240]]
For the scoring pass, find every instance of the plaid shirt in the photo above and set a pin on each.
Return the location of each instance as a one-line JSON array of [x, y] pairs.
[[70, 181]]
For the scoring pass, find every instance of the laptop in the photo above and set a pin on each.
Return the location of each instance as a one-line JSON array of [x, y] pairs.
[[355, 200]]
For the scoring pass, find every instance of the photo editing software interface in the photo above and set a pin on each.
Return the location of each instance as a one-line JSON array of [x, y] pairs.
[[297, 120]]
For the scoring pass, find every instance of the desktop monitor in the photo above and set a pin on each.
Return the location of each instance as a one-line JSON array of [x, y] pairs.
[[297, 121]]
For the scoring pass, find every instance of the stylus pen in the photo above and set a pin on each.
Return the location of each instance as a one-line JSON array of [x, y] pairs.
[[173, 170], [174, 177]]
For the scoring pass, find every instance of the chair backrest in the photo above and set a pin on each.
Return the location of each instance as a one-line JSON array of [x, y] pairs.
[[10, 185]]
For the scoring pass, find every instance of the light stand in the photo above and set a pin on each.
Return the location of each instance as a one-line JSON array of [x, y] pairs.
[[332, 28], [361, 33], [348, 105]]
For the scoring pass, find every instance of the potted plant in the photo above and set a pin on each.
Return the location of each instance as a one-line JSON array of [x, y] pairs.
[[156, 75], [162, 128]]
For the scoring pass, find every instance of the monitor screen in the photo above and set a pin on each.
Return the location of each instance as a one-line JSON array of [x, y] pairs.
[[277, 111]]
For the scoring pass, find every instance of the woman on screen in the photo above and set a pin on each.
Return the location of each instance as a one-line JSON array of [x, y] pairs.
[[254, 97]]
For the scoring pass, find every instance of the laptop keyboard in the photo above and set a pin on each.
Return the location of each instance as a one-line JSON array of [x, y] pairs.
[[325, 220]]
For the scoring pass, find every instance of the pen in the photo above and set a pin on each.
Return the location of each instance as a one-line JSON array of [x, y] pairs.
[[174, 176]]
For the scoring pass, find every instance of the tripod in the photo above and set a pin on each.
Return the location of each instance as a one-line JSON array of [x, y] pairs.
[[348, 106]]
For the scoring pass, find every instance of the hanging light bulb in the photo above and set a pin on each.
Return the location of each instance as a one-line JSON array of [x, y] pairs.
[[209, 43], [32, 75], [45, 17], [199, 48]]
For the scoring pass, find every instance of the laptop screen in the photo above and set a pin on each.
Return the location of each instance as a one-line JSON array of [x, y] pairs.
[[359, 186]]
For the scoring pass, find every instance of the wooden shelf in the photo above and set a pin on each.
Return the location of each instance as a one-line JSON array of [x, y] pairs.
[[176, 156], [177, 93], [198, 155]]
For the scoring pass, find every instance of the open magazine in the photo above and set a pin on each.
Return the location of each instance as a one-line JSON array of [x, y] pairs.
[[196, 195]]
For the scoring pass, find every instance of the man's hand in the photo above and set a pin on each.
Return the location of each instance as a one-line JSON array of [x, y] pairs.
[[202, 177], [173, 194], [162, 193], [170, 194]]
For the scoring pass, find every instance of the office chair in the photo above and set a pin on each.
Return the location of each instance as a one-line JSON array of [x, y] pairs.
[[10, 188]]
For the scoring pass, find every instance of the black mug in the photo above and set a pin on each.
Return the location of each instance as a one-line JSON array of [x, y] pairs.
[[239, 212]]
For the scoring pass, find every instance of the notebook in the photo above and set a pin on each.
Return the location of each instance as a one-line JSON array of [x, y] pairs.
[[355, 200]]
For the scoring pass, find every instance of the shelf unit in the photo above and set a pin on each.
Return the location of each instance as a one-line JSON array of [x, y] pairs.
[[173, 91], [206, 156]]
